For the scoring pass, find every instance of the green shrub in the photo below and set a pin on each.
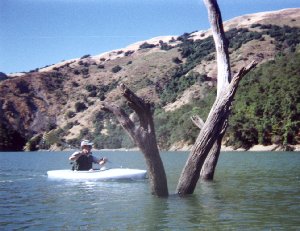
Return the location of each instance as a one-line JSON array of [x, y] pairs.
[[69, 125], [33, 143], [128, 53], [76, 72], [70, 114], [164, 46], [3, 76], [184, 37], [116, 69], [85, 71], [85, 56], [23, 87], [75, 84], [93, 93], [146, 45], [90, 88], [176, 60], [79, 107]]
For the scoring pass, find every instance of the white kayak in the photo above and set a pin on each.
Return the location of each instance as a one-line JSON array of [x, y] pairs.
[[105, 174]]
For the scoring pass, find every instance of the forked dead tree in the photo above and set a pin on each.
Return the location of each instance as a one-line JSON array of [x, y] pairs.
[[143, 134], [205, 152]]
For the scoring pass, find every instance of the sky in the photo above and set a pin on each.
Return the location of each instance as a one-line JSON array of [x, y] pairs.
[[36, 33]]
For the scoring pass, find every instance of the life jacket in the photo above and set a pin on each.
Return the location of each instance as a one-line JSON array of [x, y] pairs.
[[83, 163]]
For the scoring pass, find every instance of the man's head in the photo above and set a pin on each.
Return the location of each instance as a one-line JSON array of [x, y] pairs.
[[86, 145]]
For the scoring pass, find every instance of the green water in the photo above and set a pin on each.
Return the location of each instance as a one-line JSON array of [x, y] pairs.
[[251, 191]]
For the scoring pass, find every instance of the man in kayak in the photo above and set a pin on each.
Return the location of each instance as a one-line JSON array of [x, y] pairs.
[[84, 159]]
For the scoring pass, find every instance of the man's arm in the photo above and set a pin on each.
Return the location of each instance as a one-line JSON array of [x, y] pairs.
[[103, 161], [100, 161], [75, 156]]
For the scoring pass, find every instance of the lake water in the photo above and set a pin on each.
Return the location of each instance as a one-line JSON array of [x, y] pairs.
[[251, 191]]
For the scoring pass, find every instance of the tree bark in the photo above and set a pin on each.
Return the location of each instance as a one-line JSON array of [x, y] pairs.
[[144, 137]]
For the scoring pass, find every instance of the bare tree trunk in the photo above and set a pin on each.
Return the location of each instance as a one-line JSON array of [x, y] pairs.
[[221, 44], [144, 137], [209, 134], [207, 160], [210, 163], [224, 78]]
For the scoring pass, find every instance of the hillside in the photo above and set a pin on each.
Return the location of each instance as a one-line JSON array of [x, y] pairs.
[[57, 105]]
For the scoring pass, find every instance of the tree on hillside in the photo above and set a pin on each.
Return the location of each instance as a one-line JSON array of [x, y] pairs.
[[208, 143]]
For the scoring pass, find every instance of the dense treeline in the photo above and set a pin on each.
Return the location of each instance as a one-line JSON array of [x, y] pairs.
[[267, 106]]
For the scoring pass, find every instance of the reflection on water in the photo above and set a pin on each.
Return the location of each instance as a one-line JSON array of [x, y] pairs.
[[251, 191]]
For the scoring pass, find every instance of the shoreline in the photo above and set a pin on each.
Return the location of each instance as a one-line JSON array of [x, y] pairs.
[[268, 148], [255, 148], [187, 148]]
